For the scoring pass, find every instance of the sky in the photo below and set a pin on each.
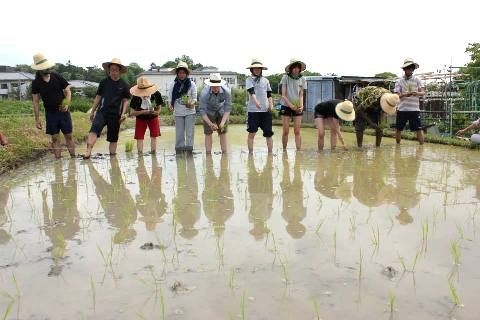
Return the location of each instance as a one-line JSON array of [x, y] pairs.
[[344, 37]]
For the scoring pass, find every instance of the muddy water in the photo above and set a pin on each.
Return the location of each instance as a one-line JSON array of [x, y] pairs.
[[227, 237]]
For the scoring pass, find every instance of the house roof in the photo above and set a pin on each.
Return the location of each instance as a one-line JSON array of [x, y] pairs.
[[347, 79], [16, 76], [206, 71]]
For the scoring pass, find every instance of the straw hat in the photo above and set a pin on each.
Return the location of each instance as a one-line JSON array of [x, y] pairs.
[[181, 65], [215, 80], [292, 62], [389, 102], [257, 64], [345, 110], [408, 62], [40, 62], [143, 88], [106, 65]]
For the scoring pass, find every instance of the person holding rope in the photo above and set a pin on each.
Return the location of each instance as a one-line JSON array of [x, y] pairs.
[[55, 93]]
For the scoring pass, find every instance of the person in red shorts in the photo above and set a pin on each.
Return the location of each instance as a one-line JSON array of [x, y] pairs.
[[146, 103]]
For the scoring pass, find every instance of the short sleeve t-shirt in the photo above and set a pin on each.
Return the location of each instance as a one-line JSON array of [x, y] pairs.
[[136, 104], [261, 85], [327, 108], [404, 85], [112, 93], [51, 92], [293, 87]]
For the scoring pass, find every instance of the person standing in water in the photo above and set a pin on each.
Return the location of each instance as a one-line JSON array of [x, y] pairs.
[[332, 111]]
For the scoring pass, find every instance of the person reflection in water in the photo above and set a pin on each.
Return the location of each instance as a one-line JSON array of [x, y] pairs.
[[4, 193], [292, 194], [150, 200], [116, 201], [331, 177], [217, 196], [406, 168], [186, 204], [62, 219], [260, 188]]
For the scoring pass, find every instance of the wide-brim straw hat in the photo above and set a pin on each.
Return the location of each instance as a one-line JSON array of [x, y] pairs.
[[408, 62], [345, 110], [181, 65], [106, 65], [257, 64], [214, 80], [389, 102], [143, 88], [40, 62], [303, 66]]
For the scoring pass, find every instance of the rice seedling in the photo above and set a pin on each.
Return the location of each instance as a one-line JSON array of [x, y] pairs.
[[8, 309], [360, 264], [17, 288], [454, 294], [415, 260], [402, 262], [353, 223], [424, 235], [335, 246], [456, 252], [284, 266], [242, 306], [376, 238], [316, 308], [461, 233], [231, 279], [319, 226], [392, 302], [94, 294], [128, 146]]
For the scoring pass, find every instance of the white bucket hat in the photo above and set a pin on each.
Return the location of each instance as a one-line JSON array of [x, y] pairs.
[[106, 65], [345, 110], [257, 64], [40, 62], [408, 62], [214, 80], [181, 65], [303, 66], [388, 102]]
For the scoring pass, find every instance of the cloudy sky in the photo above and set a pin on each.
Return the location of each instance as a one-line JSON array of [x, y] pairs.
[[346, 37]]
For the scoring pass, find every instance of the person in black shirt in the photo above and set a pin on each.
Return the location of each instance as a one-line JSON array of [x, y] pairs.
[[332, 111], [112, 102], [55, 93], [145, 95]]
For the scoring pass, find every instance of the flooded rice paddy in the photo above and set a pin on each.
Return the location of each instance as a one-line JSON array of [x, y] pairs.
[[389, 233]]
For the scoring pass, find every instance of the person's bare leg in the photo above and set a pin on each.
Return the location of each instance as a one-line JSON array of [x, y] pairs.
[[286, 129], [140, 146], [70, 144], [398, 136], [297, 122], [153, 145], [359, 135], [223, 142], [251, 136], [270, 144], [378, 137], [112, 148], [208, 143], [333, 133], [91, 139], [56, 146], [420, 136], [321, 133]]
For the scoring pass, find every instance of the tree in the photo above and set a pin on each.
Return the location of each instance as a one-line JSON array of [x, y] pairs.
[[385, 75], [191, 64], [275, 79], [132, 73], [473, 67], [153, 66]]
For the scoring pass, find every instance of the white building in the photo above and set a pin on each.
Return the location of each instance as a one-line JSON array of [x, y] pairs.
[[14, 84], [163, 78]]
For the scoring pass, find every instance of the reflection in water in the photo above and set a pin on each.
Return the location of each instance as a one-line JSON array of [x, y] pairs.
[[186, 204], [331, 177], [369, 175], [150, 201], [217, 196], [62, 219], [116, 201], [406, 168], [260, 188], [292, 193], [4, 193]]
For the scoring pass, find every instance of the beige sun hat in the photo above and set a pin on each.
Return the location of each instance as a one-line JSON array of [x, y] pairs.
[[345, 111], [143, 88], [214, 80], [181, 65], [257, 64], [293, 61], [408, 62], [106, 65], [40, 62], [389, 102]]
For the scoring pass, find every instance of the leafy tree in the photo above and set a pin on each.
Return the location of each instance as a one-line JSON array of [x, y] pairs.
[[191, 64], [473, 67], [94, 74], [153, 66], [132, 73], [385, 75]]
